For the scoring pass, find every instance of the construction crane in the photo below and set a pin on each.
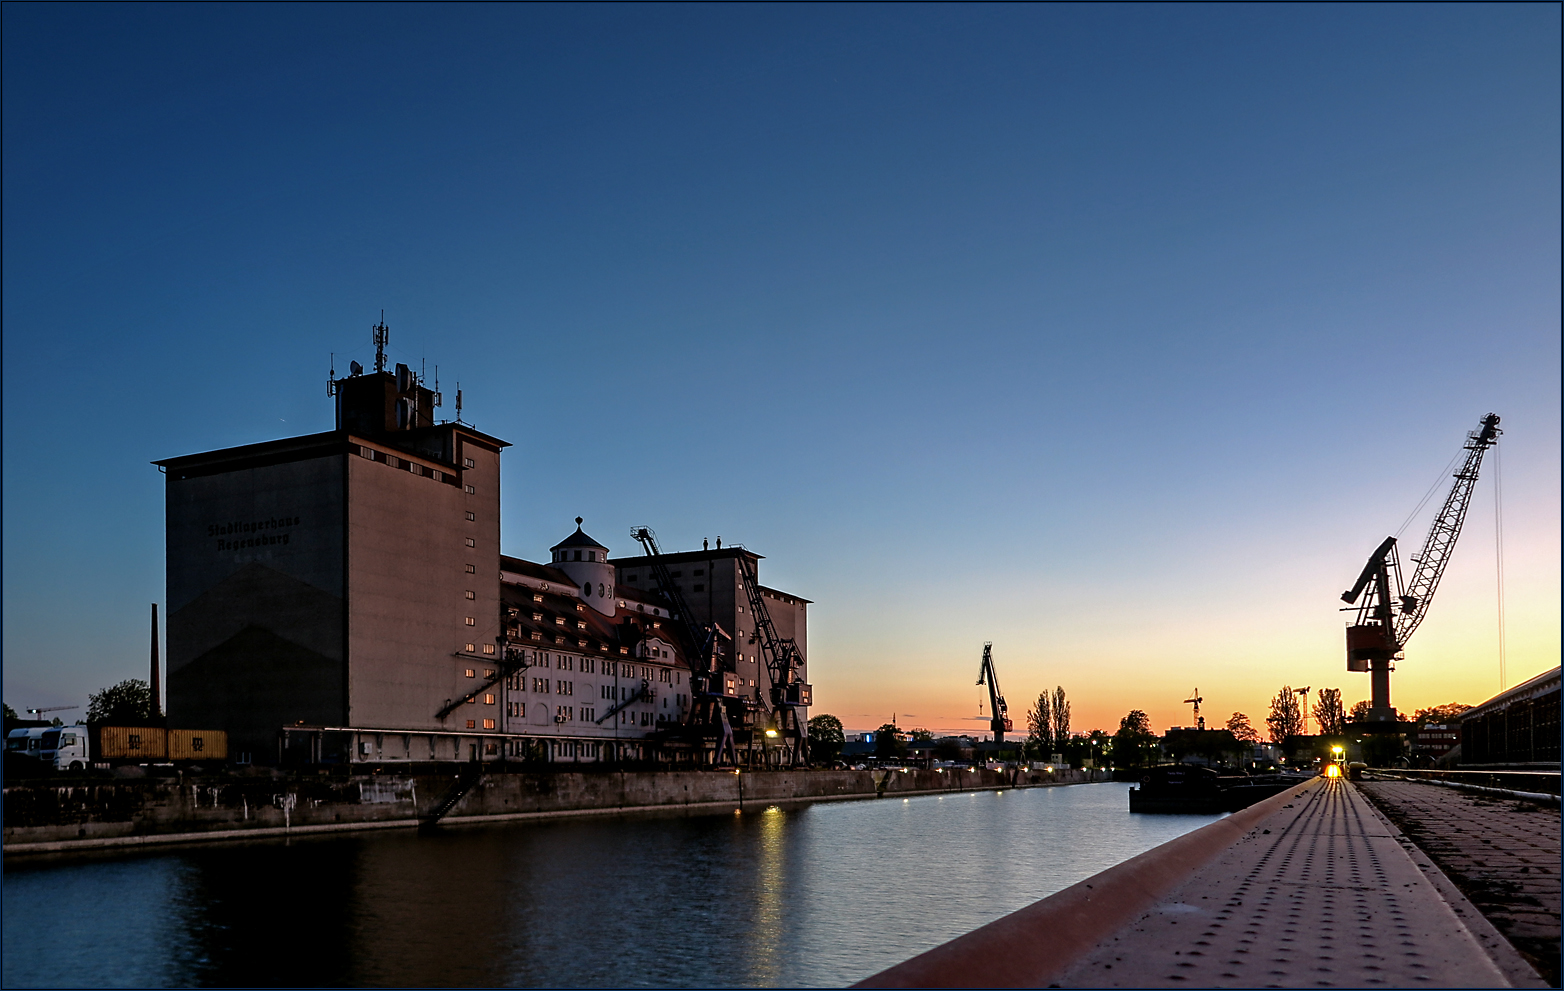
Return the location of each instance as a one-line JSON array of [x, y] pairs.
[[702, 645], [53, 708], [999, 712], [1195, 700], [785, 664], [1391, 611]]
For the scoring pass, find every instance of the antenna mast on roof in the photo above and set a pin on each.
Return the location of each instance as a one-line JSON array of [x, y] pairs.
[[458, 401], [382, 338]]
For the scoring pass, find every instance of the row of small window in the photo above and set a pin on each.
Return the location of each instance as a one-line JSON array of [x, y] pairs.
[[540, 686], [565, 556], [487, 724]]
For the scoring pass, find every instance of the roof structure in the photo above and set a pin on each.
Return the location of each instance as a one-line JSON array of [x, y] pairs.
[[578, 539]]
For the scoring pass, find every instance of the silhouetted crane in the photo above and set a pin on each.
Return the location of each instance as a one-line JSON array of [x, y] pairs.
[[1195, 700], [1000, 721]]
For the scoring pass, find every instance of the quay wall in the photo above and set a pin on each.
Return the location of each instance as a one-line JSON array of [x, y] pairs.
[[60, 814]]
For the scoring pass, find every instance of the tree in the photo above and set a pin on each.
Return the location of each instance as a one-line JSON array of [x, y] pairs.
[[1134, 745], [1238, 724], [127, 702], [1061, 727], [921, 735], [888, 742], [1286, 718], [1040, 727], [825, 738], [1328, 714], [947, 749], [1360, 711], [1440, 713]]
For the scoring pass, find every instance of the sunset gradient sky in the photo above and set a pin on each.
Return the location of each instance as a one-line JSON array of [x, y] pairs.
[[1116, 335]]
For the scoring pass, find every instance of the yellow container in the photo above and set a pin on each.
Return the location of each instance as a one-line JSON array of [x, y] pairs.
[[131, 743], [197, 744]]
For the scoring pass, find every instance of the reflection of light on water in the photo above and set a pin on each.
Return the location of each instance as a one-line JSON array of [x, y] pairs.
[[766, 938]]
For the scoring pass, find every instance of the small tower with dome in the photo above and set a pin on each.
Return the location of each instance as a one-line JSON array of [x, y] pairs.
[[586, 562]]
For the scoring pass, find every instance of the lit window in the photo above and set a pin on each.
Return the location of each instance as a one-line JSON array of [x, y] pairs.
[[470, 621], [467, 463], [472, 569], [488, 699], [488, 648], [489, 724], [471, 594], [536, 635], [471, 542], [471, 647], [472, 517], [488, 672], [470, 489], [470, 672], [537, 598], [471, 724]]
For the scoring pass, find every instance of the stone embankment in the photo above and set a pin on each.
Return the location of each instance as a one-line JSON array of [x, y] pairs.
[[60, 814]]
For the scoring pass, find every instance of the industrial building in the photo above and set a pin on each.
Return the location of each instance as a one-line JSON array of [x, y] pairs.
[[342, 597]]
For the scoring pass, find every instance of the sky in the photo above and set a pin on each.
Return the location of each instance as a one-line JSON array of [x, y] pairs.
[[1115, 335]]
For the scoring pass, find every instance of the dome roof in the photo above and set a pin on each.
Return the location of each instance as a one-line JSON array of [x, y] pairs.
[[578, 539]]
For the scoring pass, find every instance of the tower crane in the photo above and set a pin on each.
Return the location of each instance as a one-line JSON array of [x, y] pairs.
[[1195, 700], [702, 645], [1000, 721], [1392, 610]]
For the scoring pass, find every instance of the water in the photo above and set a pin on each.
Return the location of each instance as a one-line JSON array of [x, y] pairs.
[[813, 895]]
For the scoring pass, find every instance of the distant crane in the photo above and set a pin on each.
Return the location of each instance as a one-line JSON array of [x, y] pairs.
[[1392, 611], [1195, 700], [53, 708], [1000, 721], [1303, 695], [785, 665]]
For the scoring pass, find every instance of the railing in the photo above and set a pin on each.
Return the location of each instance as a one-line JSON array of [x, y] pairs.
[[1542, 784]]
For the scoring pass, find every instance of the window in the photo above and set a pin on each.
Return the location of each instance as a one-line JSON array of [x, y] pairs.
[[588, 714], [559, 621], [488, 724], [605, 691], [537, 598], [468, 463], [471, 724], [488, 699], [392, 462], [591, 555], [564, 688], [470, 621], [517, 709], [578, 555], [470, 672], [471, 647], [472, 517], [564, 663], [540, 686], [537, 617], [488, 648], [470, 489], [588, 664], [471, 594], [488, 672], [471, 542], [536, 635], [624, 650], [472, 570]]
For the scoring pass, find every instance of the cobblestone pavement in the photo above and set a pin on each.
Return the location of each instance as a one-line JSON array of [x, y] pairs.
[[1321, 893], [1503, 855]]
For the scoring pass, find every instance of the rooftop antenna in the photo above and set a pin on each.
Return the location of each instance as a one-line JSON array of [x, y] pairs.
[[458, 402], [331, 377], [437, 385], [382, 338]]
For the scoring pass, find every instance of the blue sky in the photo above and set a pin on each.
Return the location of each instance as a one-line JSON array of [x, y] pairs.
[[1116, 335]]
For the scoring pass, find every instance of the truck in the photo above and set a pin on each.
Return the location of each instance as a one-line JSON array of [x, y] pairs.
[[74, 748]]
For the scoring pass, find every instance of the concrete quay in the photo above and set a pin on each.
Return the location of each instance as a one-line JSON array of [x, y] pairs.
[[1503, 855], [1313, 888]]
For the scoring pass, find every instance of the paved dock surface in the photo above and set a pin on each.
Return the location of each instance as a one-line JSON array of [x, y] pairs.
[[1503, 855], [1323, 892]]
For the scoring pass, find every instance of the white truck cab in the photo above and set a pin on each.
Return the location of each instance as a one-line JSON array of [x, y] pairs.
[[26, 739], [63, 748]]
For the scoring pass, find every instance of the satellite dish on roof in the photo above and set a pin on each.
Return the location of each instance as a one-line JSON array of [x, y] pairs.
[[354, 368]]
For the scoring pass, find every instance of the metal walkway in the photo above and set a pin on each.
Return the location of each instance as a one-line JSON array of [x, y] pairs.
[[1321, 893]]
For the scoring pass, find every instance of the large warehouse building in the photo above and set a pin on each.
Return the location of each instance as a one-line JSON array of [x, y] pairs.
[[342, 596]]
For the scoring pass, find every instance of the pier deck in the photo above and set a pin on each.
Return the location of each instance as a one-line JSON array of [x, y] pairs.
[[1312, 889]]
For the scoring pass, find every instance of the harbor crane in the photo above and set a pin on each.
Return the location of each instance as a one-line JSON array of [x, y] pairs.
[[1391, 610], [785, 664], [999, 712], [702, 645], [1195, 700]]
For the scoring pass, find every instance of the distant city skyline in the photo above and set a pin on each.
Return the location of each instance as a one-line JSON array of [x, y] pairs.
[[1118, 336]]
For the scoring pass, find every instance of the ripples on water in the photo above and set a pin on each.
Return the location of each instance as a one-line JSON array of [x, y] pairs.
[[804, 895]]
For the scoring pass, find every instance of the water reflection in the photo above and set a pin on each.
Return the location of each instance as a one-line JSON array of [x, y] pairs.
[[819, 895]]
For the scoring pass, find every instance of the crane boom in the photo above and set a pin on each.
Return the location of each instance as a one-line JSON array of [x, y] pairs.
[[1431, 563], [999, 711]]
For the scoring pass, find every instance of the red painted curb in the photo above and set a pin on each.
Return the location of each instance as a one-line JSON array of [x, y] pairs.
[[1034, 945]]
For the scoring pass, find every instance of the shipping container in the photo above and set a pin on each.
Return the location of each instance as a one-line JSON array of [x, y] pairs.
[[197, 744], [130, 743]]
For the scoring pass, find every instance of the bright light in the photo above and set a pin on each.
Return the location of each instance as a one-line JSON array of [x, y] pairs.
[[1333, 770], [771, 733], [1335, 750]]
